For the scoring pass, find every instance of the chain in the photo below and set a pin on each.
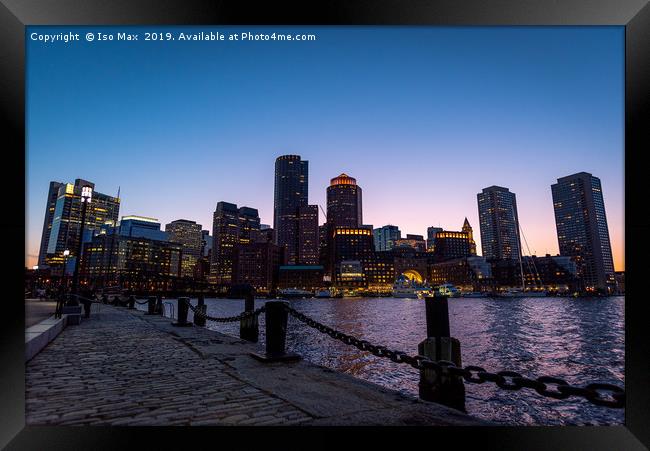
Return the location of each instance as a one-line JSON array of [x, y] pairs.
[[606, 395], [141, 303], [227, 319]]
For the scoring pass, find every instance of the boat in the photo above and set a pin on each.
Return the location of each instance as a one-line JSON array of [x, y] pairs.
[[409, 289], [323, 293], [447, 289], [294, 293]]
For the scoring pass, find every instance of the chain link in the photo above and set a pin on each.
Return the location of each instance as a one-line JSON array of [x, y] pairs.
[[226, 319], [606, 395]]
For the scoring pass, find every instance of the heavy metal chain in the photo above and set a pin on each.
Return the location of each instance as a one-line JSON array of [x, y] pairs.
[[226, 319], [606, 395], [141, 303]]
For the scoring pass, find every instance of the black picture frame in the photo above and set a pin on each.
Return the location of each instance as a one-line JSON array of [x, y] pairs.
[[634, 15]]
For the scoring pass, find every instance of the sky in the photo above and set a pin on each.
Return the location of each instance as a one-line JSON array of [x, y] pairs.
[[423, 117]]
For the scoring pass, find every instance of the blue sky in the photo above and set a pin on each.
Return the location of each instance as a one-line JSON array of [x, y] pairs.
[[422, 117]]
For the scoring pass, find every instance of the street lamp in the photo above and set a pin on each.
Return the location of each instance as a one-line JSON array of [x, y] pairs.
[[86, 196]]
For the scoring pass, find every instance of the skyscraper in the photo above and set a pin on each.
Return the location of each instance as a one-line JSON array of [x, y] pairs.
[[344, 202], [582, 228], [499, 222], [231, 227], [385, 237], [188, 234], [52, 196], [64, 222], [308, 235], [290, 193]]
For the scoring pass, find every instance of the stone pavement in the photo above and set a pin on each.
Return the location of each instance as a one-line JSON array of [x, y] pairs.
[[122, 367]]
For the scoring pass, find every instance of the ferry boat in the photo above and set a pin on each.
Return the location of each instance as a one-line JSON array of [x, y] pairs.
[[406, 288], [294, 293], [447, 289]]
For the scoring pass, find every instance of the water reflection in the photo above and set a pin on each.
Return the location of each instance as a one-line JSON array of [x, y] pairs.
[[580, 340]]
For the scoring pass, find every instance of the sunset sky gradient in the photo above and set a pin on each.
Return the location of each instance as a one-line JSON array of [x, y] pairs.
[[422, 117]]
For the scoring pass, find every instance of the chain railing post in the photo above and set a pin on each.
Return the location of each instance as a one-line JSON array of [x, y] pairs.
[[131, 302], [159, 306], [151, 305], [182, 312], [276, 316], [199, 320], [441, 388], [249, 327]]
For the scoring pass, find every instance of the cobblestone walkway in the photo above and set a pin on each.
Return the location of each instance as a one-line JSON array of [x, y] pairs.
[[117, 369]]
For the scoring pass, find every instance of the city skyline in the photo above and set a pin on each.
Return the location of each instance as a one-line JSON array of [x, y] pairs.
[[414, 174]]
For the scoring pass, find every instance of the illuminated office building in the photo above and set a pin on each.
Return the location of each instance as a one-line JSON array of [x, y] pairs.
[[344, 202], [63, 223], [231, 227], [499, 222], [385, 237], [127, 256], [454, 244], [351, 247], [290, 193], [257, 264], [308, 235], [582, 231], [189, 235]]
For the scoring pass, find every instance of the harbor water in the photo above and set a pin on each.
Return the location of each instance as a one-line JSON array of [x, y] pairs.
[[580, 340]]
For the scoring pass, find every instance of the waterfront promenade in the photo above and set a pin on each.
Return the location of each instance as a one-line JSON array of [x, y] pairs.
[[122, 367]]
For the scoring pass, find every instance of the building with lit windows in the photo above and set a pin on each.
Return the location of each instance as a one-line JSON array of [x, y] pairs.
[[290, 193], [257, 264], [450, 245], [582, 231], [189, 235], [385, 237], [344, 202], [62, 224], [140, 226], [351, 244], [431, 237], [302, 277], [129, 259], [231, 227], [308, 235], [499, 223], [466, 273]]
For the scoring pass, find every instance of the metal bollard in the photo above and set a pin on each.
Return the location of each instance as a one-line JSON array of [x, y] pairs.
[[151, 305], [200, 307], [249, 328], [182, 313], [104, 299], [116, 300], [276, 334], [131, 302], [159, 306], [443, 389]]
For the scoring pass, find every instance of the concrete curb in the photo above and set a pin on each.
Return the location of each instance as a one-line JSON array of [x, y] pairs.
[[40, 335]]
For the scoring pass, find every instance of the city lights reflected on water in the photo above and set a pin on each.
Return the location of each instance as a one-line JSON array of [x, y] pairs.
[[578, 339]]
